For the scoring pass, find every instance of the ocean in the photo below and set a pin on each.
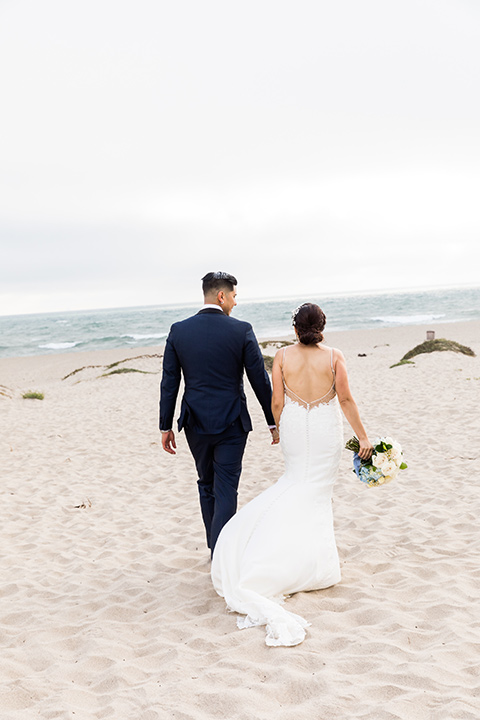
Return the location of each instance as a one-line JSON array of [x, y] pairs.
[[40, 334]]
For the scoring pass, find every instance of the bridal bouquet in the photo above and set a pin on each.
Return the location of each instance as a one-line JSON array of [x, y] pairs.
[[383, 466]]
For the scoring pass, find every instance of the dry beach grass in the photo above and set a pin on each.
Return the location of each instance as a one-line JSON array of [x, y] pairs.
[[106, 605]]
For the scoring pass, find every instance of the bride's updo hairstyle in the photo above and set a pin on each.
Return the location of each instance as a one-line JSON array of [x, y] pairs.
[[309, 321]]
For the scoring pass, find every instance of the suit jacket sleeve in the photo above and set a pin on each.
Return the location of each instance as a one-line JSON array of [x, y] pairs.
[[257, 375], [170, 384]]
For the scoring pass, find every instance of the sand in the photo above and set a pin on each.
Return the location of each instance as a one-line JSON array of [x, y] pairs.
[[106, 604]]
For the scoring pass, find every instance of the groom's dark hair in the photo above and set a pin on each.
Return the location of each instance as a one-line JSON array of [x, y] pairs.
[[215, 281]]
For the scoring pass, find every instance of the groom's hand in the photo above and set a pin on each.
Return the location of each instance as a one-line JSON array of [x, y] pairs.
[[168, 442], [275, 436]]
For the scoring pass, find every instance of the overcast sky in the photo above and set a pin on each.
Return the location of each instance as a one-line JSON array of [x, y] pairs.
[[305, 146]]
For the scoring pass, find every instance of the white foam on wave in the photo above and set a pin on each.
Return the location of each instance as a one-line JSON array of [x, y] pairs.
[[145, 337], [59, 346], [407, 319]]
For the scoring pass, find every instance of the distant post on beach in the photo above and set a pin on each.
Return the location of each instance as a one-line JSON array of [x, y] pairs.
[[430, 334]]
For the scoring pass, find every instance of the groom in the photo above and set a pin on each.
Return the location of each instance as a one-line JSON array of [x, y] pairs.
[[212, 350]]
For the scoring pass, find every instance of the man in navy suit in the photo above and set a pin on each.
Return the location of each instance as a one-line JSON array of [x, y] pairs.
[[212, 350]]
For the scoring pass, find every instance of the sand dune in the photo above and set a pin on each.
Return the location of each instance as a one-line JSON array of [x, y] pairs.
[[106, 605]]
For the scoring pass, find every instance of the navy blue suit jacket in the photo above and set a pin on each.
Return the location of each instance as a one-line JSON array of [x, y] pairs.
[[212, 350]]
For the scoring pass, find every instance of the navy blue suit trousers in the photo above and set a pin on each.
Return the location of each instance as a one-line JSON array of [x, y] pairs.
[[218, 459]]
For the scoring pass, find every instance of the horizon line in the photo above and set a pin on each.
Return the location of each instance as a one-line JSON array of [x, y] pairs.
[[257, 299]]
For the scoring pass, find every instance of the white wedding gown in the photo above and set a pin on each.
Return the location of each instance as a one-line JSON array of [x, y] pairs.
[[283, 541]]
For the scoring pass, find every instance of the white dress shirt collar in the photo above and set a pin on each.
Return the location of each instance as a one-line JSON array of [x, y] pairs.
[[211, 305]]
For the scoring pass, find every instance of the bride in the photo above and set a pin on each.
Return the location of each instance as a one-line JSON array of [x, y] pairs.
[[283, 541]]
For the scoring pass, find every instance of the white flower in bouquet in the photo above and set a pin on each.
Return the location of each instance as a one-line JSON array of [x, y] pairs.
[[396, 455], [380, 460], [389, 469]]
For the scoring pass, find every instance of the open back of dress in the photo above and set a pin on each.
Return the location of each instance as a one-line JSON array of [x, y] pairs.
[[325, 398]]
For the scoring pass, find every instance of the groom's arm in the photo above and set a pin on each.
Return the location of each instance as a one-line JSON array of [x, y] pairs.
[[257, 375], [169, 385]]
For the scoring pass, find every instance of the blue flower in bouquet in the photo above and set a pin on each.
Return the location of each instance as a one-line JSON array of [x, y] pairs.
[[367, 473]]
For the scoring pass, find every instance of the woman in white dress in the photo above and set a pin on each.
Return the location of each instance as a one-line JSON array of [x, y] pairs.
[[283, 541]]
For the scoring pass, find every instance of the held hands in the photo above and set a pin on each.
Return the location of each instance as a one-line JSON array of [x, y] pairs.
[[168, 442], [275, 436]]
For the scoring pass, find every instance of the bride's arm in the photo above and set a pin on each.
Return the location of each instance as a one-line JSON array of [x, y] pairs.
[[349, 406], [278, 397]]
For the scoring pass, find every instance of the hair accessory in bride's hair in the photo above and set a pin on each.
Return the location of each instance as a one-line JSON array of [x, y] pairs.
[[295, 313]]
